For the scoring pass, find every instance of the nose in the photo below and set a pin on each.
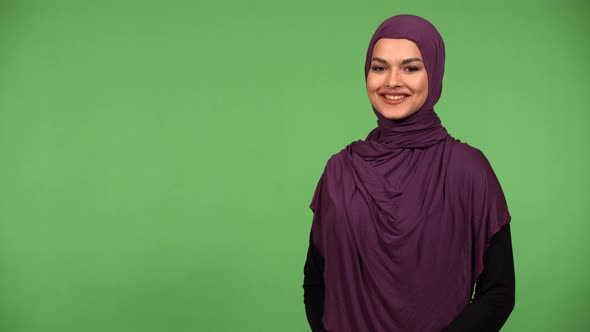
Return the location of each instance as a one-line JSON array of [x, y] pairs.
[[394, 80]]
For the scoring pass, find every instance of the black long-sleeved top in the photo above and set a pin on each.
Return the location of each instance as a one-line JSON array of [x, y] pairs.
[[487, 312]]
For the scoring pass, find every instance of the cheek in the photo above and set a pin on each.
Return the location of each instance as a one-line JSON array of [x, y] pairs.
[[424, 84], [421, 88], [374, 82]]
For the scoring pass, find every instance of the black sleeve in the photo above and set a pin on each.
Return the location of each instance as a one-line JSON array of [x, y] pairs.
[[494, 291], [313, 288]]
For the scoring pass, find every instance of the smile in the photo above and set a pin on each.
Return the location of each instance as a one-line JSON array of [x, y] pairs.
[[394, 99]]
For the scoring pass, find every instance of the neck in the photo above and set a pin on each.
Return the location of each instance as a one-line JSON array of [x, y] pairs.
[[421, 129]]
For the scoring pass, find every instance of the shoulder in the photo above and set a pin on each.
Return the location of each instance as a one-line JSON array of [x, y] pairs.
[[470, 166], [468, 160], [339, 164], [339, 159], [330, 180], [334, 165]]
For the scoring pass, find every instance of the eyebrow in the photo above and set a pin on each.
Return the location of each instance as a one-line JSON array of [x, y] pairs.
[[404, 61]]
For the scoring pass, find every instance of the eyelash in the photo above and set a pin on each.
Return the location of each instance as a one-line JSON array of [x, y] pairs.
[[378, 68], [408, 69]]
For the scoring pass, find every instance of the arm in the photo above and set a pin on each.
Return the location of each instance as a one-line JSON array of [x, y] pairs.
[[313, 288], [494, 291]]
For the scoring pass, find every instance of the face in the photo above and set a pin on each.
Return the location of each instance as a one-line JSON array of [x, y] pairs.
[[397, 83]]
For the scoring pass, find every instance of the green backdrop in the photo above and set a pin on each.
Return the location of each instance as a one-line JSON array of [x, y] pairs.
[[158, 158]]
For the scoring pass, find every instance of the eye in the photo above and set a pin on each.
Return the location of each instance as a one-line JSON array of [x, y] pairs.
[[411, 68], [377, 68]]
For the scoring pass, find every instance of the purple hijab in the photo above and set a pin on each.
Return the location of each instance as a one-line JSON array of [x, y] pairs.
[[403, 218]]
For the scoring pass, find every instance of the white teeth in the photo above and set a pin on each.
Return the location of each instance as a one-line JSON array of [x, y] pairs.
[[396, 97]]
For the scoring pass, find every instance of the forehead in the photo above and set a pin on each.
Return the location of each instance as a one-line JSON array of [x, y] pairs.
[[389, 48]]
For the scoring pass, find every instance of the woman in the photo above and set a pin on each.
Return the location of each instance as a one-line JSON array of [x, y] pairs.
[[409, 221]]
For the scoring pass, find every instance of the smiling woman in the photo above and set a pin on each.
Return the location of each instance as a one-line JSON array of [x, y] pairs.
[[410, 220], [397, 83]]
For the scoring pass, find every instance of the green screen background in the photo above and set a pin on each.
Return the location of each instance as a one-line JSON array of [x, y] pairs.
[[159, 158]]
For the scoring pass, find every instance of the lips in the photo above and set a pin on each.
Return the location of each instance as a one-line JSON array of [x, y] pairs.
[[394, 98]]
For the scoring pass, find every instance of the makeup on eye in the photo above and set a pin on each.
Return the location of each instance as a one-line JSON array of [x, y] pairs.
[[411, 68], [380, 68], [377, 68]]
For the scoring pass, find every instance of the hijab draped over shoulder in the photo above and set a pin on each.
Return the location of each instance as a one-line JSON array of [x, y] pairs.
[[402, 218]]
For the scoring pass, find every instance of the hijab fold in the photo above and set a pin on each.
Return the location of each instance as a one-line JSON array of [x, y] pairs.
[[403, 217]]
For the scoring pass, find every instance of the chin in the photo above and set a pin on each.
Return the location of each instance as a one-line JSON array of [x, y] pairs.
[[397, 115]]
